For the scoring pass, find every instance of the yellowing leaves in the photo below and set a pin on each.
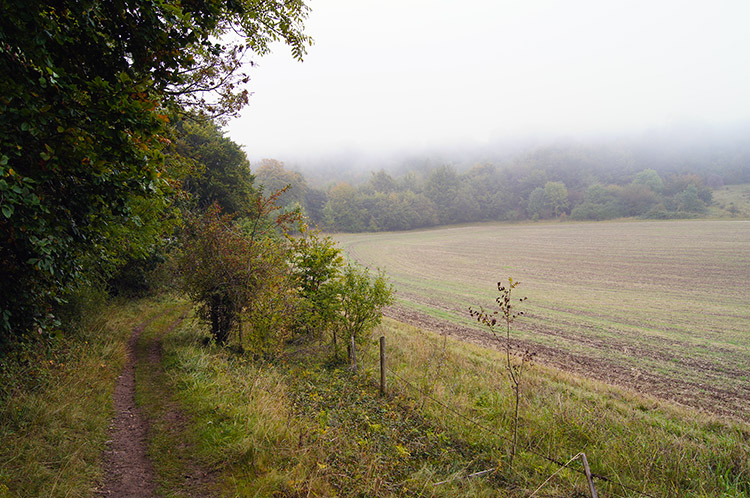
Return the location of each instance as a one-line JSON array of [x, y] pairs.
[[402, 451]]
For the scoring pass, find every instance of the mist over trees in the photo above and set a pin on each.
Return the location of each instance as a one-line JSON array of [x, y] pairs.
[[654, 179]]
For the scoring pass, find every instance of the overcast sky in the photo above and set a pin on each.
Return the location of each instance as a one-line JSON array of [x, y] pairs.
[[407, 74]]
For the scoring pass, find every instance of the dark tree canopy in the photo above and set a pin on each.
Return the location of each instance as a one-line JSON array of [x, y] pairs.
[[87, 97], [219, 169]]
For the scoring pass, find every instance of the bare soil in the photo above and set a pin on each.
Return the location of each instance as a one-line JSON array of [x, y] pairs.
[[127, 469], [710, 399]]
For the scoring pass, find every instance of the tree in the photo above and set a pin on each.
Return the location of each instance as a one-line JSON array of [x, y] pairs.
[[383, 182], [343, 210], [273, 176], [676, 184], [649, 178], [442, 188], [556, 197], [507, 315], [88, 94], [229, 269], [599, 203], [316, 267], [690, 202], [495, 200], [637, 199], [362, 299], [536, 205], [219, 172]]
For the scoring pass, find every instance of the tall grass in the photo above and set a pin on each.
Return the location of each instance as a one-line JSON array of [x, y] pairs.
[[56, 404], [304, 427], [635, 440]]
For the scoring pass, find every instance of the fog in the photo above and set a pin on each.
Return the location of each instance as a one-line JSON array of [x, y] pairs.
[[388, 82]]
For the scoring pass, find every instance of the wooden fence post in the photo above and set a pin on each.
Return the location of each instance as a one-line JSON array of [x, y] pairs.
[[354, 356], [588, 475], [382, 365]]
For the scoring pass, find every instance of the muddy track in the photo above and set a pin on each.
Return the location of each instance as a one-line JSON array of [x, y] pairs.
[[711, 399], [127, 469], [128, 472]]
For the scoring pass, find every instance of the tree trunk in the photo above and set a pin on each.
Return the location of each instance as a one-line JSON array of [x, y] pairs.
[[335, 346], [516, 388]]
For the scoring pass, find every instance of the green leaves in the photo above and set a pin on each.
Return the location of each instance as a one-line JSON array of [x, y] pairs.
[[88, 96], [362, 298]]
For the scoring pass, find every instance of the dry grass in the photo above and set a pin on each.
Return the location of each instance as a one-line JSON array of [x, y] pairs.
[[57, 405]]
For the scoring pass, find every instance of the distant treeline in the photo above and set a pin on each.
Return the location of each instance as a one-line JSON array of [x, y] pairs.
[[548, 183]]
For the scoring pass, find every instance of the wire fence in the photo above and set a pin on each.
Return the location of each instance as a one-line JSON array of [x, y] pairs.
[[372, 353]]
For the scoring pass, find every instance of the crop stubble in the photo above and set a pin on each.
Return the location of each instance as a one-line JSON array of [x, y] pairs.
[[662, 307]]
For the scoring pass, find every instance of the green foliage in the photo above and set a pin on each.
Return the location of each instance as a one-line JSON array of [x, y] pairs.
[[550, 201], [637, 199], [343, 210], [317, 264], [230, 272], [689, 201], [383, 182], [649, 178], [453, 199], [220, 171], [600, 203], [136, 276], [544, 184], [273, 176], [361, 299], [87, 96], [556, 197]]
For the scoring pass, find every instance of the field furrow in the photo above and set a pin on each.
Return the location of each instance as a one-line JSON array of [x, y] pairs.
[[663, 307]]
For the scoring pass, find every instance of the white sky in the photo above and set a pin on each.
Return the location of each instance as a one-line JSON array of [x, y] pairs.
[[405, 74]]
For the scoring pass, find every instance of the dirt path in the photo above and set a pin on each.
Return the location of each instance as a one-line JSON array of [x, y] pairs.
[[128, 471]]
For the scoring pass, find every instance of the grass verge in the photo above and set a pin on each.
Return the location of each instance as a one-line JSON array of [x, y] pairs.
[[178, 469], [56, 405], [300, 427], [645, 444]]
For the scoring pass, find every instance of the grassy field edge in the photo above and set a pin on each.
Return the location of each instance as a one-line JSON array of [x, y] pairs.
[[305, 426], [302, 425]]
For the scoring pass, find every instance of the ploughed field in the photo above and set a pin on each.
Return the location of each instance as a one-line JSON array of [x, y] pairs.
[[662, 307]]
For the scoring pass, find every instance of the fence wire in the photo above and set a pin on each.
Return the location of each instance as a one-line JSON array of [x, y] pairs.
[[367, 353]]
